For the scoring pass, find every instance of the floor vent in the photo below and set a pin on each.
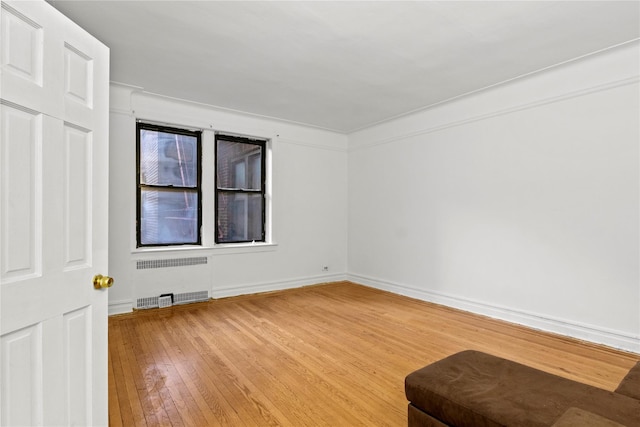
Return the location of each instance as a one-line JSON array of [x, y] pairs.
[[149, 302], [188, 297], [166, 301], [170, 262]]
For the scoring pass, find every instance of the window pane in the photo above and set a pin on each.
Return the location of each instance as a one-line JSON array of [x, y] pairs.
[[239, 217], [255, 168], [168, 216], [236, 167], [168, 159], [240, 175]]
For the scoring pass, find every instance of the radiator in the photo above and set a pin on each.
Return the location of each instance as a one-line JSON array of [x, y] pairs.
[[170, 262], [165, 301]]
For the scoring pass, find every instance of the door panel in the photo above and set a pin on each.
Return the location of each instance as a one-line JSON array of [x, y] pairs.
[[21, 187], [53, 219], [77, 370], [77, 197], [28, 48], [22, 371]]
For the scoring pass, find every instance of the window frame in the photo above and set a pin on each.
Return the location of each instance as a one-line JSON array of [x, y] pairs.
[[263, 144], [197, 189]]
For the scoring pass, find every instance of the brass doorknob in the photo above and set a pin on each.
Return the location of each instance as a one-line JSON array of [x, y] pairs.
[[101, 282]]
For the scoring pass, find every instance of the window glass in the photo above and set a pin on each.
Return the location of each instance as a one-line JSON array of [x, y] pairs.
[[168, 159], [168, 217], [169, 193], [240, 174], [240, 193], [239, 165], [239, 217]]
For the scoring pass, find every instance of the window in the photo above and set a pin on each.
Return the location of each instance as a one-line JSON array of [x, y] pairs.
[[240, 189], [169, 186]]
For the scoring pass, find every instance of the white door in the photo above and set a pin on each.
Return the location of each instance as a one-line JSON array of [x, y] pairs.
[[54, 94]]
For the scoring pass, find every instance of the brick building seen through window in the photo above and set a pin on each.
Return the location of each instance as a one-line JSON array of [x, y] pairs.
[[169, 187], [240, 189]]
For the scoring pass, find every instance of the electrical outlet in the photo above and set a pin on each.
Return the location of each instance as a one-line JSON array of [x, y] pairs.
[[325, 268]]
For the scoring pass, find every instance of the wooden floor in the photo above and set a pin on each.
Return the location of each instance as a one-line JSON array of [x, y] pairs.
[[326, 355]]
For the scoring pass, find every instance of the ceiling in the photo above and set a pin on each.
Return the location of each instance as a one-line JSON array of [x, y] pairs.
[[343, 65]]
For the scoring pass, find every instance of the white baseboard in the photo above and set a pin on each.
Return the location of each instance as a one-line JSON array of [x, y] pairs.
[[126, 306], [615, 339], [231, 291], [585, 332], [120, 307]]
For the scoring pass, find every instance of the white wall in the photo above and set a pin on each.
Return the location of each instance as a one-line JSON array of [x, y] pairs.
[[520, 202], [309, 208]]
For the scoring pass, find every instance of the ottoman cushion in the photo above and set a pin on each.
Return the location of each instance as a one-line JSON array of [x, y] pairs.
[[630, 384], [472, 388]]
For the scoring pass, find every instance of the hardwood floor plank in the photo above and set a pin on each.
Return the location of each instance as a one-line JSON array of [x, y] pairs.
[[196, 408], [238, 364], [137, 370], [327, 355], [121, 399], [127, 388], [198, 369], [115, 413], [291, 366], [156, 378]]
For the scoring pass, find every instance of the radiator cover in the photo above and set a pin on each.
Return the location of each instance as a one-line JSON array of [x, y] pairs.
[[183, 298], [170, 262]]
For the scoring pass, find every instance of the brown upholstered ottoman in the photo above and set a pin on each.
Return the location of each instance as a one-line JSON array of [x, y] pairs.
[[475, 389], [575, 417]]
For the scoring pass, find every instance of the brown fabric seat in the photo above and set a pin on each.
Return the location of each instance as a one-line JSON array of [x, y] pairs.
[[630, 384], [575, 417], [475, 389]]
